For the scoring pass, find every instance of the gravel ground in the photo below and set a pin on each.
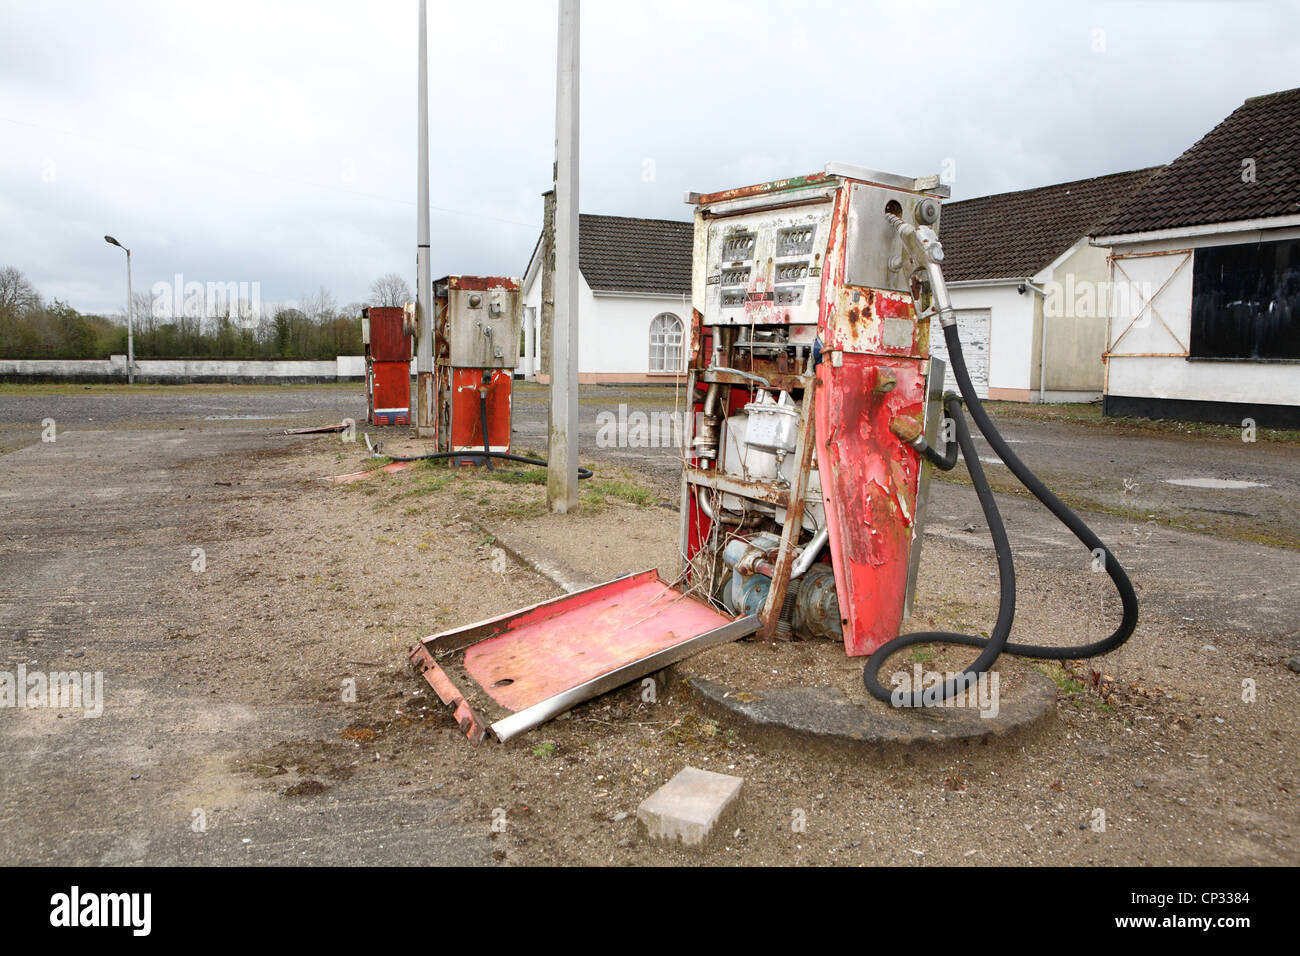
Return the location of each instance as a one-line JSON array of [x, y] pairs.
[[228, 691]]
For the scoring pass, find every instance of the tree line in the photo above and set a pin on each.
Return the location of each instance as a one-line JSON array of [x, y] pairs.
[[314, 327]]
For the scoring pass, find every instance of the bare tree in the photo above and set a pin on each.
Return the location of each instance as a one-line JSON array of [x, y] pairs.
[[17, 295], [389, 289], [319, 306]]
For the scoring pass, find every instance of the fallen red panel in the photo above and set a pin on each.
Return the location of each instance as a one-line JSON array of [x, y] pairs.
[[515, 671]]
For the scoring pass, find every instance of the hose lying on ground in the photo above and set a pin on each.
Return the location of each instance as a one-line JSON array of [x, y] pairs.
[[487, 452], [500, 455], [997, 643]]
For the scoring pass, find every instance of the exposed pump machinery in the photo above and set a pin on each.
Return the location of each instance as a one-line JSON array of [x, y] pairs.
[[818, 414]]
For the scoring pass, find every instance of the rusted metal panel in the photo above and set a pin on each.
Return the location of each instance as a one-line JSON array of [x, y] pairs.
[[483, 283], [389, 341], [759, 189], [877, 322], [764, 267], [425, 427], [729, 484], [470, 723], [517, 670], [869, 486]]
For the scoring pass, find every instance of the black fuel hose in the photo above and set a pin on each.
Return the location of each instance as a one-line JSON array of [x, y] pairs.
[[948, 460], [482, 421], [997, 643], [499, 455], [487, 453]]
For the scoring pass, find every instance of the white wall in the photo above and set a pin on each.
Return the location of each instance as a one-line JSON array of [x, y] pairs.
[[1174, 376], [1012, 360], [613, 330], [182, 370]]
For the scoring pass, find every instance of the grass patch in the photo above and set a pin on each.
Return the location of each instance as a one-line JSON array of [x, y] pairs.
[[524, 475], [620, 490], [1059, 676], [923, 654]]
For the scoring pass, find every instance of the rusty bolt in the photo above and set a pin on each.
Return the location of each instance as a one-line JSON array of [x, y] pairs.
[[885, 380], [906, 427]]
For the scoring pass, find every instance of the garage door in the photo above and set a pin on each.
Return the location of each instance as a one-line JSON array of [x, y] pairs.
[[973, 327]]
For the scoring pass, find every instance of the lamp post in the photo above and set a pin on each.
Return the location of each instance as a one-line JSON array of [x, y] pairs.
[[424, 414], [130, 332]]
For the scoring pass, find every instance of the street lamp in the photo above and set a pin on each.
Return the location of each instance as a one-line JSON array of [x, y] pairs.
[[130, 334]]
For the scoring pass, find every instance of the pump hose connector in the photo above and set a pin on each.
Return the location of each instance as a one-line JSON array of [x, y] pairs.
[[996, 643]]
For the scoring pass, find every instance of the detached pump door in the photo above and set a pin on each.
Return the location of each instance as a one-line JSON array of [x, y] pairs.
[[513, 672]]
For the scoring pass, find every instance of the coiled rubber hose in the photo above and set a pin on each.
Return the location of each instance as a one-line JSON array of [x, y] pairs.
[[996, 644]]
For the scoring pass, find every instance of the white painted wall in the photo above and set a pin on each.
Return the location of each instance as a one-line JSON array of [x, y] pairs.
[[613, 330], [1174, 376], [1011, 331], [114, 367]]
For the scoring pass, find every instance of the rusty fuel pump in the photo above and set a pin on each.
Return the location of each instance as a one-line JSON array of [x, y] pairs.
[[476, 348], [816, 412]]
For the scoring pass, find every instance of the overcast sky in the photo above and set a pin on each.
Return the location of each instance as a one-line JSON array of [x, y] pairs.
[[274, 142]]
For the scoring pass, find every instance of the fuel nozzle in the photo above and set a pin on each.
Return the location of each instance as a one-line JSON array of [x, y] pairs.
[[923, 247]]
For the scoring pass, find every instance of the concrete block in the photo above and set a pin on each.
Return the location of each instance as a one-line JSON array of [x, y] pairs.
[[689, 808]]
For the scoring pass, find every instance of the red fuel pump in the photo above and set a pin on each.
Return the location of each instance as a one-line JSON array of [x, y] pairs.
[[805, 350], [388, 365]]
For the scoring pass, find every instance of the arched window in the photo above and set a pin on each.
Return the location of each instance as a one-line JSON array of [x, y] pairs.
[[665, 343]]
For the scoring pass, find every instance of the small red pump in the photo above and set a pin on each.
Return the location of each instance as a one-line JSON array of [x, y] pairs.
[[384, 332]]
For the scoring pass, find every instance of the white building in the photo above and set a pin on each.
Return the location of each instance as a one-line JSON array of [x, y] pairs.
[[1205, 306], [634, 301], [1029, 289]]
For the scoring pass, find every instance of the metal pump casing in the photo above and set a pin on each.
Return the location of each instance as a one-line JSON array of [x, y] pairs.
[[477, 324], [802, 287]]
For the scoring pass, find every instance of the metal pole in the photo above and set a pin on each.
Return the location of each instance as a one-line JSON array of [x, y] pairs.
[[130, 330], [1042, 353], [562, 474], [424, 418]]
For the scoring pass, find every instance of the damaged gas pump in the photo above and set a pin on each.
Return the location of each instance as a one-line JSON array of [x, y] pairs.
[[816, 415], [477, 322]]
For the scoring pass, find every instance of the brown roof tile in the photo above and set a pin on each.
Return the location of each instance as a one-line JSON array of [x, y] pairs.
[[1014, 235], [620, 254], [1204, 185]]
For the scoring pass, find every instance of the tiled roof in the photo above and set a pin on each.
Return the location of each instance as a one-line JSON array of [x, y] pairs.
[[619, 254], [1014, 235], [1205, 184]]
